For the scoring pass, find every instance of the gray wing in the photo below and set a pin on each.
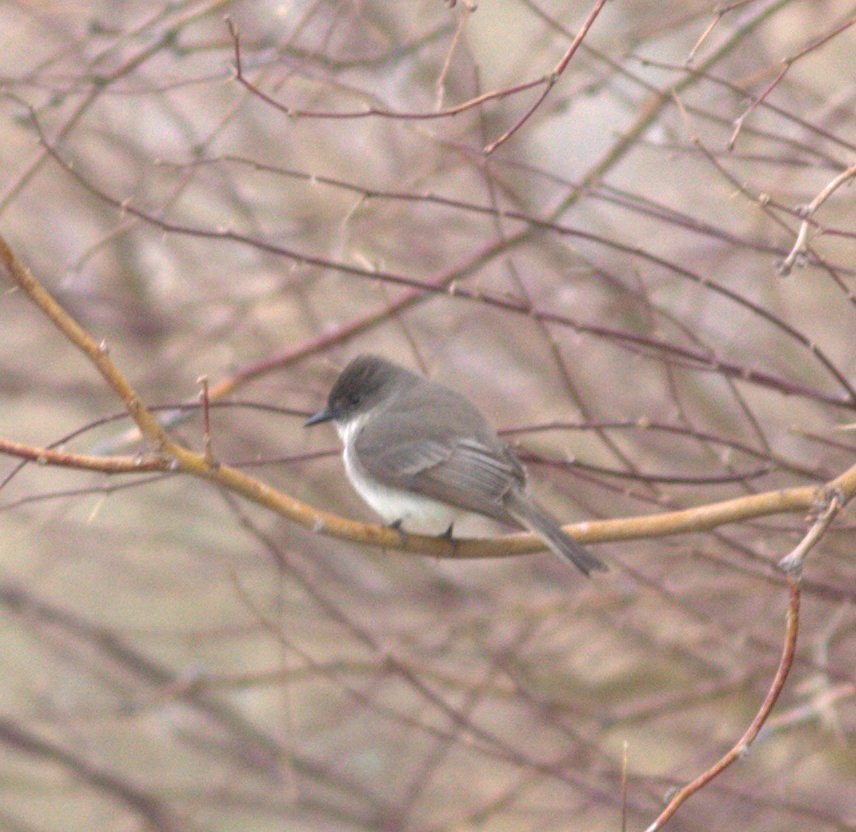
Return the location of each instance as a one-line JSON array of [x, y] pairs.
[[473, 470]]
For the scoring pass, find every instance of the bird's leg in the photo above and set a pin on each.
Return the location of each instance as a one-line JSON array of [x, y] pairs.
[[398, 525], [447, 535]]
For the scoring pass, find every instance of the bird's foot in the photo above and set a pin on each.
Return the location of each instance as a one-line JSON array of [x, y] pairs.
[[398, 525]]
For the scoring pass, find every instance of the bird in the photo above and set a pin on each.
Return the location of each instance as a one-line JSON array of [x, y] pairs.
[[422, 455]]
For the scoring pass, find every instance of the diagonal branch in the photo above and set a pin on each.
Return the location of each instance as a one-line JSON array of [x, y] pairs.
[[96, 351]]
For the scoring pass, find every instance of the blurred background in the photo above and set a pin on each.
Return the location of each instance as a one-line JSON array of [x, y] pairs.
[[610, 273]]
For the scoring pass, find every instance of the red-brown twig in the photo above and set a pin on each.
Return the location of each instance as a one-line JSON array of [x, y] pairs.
[[832, 501], [740, 748], [551, 79]]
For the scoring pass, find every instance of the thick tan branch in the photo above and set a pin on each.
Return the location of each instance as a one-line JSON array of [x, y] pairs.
[[178, 458]]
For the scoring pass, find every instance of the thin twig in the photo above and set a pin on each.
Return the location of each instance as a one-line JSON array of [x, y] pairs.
[[831, 502], [371, 111], [206, 419], [551, 79], [787, 63], [800, 246], [792, 563], [741, 746], [137, 464]]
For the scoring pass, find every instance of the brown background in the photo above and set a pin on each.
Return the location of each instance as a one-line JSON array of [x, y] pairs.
[[175, 659]]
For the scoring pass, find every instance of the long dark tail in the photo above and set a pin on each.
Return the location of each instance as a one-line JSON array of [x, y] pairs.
[[530, 515]]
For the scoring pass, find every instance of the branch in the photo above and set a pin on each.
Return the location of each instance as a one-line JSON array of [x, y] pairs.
[[139, 463], [742, 745], [154, 812], [174, 457], [551, 79], [800, 246], [371, 110], [832, 502], [97, 352]]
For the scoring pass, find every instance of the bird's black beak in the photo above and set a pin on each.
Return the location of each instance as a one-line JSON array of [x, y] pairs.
[[324, 415]]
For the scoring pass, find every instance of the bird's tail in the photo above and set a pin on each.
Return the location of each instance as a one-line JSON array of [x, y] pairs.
[[530, 515]]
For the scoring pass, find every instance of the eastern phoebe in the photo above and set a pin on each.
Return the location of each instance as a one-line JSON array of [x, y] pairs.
[[421, 455]]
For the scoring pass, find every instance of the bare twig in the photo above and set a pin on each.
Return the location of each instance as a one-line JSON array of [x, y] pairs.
[[832, 503], [551, 79], [800, 246], [138, 464], [152, 810], [370, 111], [741, 746], [206, 419], [786, 65]]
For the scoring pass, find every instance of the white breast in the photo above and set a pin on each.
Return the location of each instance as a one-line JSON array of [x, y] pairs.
[[417, 514]]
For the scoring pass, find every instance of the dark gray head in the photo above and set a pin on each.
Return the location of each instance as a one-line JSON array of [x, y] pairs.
[[365, 382]]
